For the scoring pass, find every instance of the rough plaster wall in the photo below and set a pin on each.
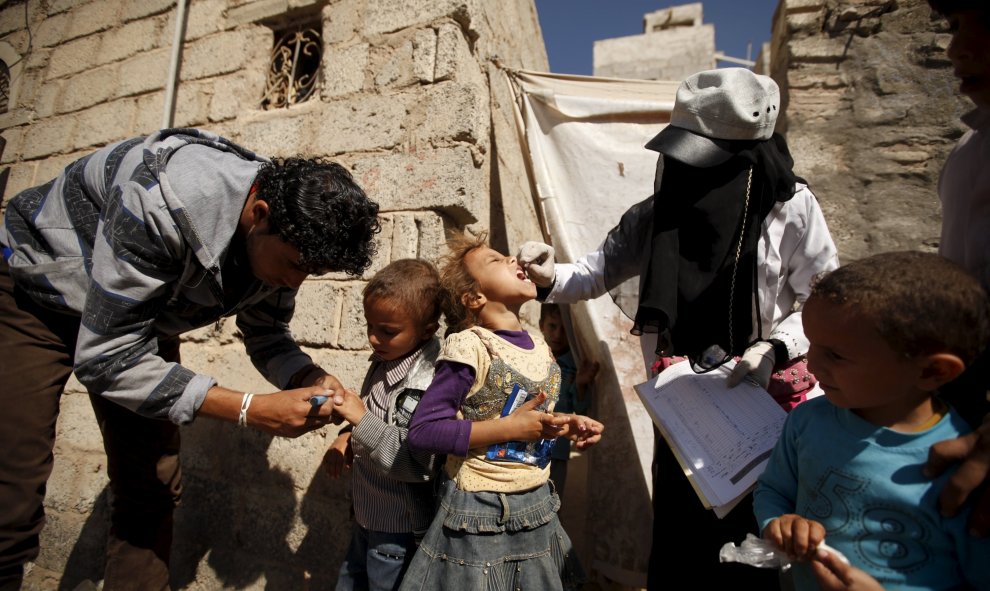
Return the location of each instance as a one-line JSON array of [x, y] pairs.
[[405, 105], [871, 112]]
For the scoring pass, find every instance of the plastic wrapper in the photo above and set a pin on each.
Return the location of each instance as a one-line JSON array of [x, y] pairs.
[[760, 553], [756, 552]]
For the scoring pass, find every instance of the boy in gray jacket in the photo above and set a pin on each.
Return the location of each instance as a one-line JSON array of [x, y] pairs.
[[392, 485], [106, 265]]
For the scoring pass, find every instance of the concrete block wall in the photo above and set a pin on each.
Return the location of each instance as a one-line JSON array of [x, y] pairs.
[[668, 54], [411, 102], [871, 110], [684, 15]]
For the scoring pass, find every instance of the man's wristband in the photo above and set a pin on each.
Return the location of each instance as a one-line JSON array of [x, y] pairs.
[[245, 403]]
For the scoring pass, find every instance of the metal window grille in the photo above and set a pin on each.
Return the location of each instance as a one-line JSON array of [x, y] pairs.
[[4, 87], [294, 73]]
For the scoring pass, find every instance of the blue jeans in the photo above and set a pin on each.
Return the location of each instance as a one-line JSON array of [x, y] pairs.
[[375, 560]]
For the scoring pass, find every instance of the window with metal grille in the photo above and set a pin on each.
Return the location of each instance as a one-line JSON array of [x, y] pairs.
[[4, 86], [294, 73]]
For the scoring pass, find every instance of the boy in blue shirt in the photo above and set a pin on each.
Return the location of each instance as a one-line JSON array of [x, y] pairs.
[[886, 332]]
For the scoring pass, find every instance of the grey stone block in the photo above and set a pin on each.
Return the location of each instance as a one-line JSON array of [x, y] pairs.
[[192, 103], [236, 94], [204, 17], [93, 17], [50, 136], [362, 123], [149, 113], [286, 132], [74, 56], [11, 18], [345, 69], [353, 330], [87, 89], [456, 112], [129, 40], [103, 124], [51, 31], [432, 241], [21, 177], [445, 179], [347, 366], [318, 308], [135, 9], [144, 72], [221, 53], [387, 16], [397, 68], [253, 12], [12, 137], [424, 54], [405, 237], [453, 55]]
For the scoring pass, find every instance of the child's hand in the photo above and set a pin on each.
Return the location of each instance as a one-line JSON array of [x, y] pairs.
[[586, 373], [795, 536], [527, 423], [835, 575], [349, 405], [339, 455], [582, 430]]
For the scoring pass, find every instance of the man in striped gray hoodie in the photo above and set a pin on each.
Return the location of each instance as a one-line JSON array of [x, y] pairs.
[[106, 265]]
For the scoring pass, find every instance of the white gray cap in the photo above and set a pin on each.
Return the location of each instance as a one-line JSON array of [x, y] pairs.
[[714, 110]]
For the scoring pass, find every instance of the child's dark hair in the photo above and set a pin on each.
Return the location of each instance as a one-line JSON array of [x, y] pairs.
[[919, 303], [411, 284], [547, 309], [457, 281], [317, 207]]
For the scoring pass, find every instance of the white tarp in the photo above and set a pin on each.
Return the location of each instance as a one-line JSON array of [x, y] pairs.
[[585, 139]]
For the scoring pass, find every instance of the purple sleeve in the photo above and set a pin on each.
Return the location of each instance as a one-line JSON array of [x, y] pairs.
[[434, 427]]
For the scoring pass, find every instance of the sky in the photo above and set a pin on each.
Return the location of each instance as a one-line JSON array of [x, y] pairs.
[[571, 27]]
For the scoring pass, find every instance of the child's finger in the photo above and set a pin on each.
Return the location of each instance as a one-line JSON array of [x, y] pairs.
[[587, 442], [773, 533], [827, 580], [532, 403]]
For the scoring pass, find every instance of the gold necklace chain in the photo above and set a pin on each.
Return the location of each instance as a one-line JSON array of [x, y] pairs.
[[735, 264]]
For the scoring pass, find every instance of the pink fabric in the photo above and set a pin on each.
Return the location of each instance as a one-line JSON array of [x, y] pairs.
[[789, 385]]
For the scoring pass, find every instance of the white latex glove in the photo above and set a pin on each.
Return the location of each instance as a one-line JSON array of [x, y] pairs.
[[756, 361], [537, 259]]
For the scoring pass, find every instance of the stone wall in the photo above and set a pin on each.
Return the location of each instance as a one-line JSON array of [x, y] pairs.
[[411, 102], [675, 44], [871, 110]]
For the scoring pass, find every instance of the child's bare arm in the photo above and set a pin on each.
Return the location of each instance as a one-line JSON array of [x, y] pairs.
[[339, 455], [797, 536]]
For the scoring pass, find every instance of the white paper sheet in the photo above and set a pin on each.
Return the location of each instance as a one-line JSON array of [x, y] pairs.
[[722, 436]]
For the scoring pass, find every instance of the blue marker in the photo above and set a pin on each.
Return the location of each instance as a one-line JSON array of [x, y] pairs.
[[317, 401]]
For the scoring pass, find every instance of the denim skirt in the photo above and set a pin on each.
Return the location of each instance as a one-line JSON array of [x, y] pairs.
[[490, 541]]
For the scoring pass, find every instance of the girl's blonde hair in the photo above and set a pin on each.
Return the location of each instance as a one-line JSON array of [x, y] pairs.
[[456, 281]]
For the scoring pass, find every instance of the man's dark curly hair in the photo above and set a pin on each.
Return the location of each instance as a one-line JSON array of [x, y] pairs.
[[919, 303], [316, 206]]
